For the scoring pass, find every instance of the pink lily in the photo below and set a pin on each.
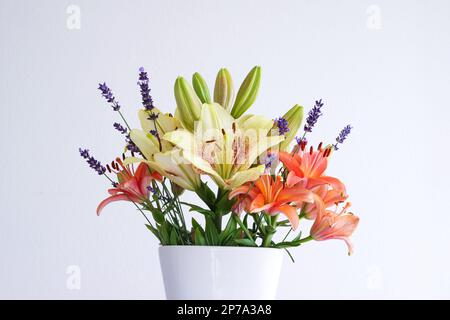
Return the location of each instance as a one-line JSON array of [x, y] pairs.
[[132, 186], [332, 225], [330, 197]]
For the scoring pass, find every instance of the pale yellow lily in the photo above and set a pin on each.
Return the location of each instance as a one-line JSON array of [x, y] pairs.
[[225, 148], [160, 155]]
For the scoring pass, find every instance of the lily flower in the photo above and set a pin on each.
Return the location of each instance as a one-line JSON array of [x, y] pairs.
[[225, 148], [132, 184], [272, 197], [331, 225], [330, 197], [307, 167], [159, 154]]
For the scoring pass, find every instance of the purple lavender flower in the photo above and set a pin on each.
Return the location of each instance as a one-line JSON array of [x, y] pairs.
[[93, 163], [342, 136], [131, 146], [313, 115], [147, 100], [149, 188], [269, 159], [283, 125], [108, 95], [84, 153], [120, 128], [154, 133], [301, 140]]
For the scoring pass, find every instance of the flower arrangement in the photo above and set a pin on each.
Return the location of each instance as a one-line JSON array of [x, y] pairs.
[[263, 184]]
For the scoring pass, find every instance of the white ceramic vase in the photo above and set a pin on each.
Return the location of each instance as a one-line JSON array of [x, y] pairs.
[[207, 273]]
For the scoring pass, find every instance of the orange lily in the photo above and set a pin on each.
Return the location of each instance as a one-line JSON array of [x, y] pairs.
[[329, 198], [306, 168], [132, 186], [332, 225], [272, 197]]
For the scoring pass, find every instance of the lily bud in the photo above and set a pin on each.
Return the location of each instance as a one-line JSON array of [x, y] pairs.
[[176, 189], [188, 104], [247, 92], [224, 89], [294, 118], [201, 88]]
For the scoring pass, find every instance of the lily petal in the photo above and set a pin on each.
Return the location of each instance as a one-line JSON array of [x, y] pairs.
[[244, 176], [117, 197], [291, 213], [146, 143]]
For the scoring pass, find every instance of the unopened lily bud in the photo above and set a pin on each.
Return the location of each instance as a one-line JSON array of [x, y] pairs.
[[176, 189], [224, 89], [188, 104], [294, 119], [247, 92], [201, 88]]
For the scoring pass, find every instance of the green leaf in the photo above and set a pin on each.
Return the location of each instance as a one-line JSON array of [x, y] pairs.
[[288, 244], [199, 238], [223, 204], [196, 225], [245, 222], [173, 238], [154, 231], [244, 228], [198, 209], [211, 233], [226, 234], [245, 242], [206, 194], [164, 232], [158, 216]]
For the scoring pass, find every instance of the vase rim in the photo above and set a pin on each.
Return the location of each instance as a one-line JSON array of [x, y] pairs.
[[195, 247]]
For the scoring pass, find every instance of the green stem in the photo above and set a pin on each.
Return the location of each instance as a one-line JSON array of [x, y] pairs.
[[238, 220], [285, 237], [308, 238], [268, 238], [123, 118]]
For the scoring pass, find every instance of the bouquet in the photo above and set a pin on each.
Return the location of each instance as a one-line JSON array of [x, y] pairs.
[[255, 176]]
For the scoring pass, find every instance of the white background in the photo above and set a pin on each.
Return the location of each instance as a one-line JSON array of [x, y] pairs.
[[382, 66]]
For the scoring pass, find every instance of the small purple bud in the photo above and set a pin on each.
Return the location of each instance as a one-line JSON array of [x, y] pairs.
[[283, 125], [154, 133], [84, 153]]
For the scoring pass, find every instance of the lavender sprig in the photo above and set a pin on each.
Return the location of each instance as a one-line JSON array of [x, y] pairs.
[[120, 128], [313, 115], [147, 100], [283, 125], [154, 133], [93, 163], [131, 146], [301, 140], [268, 160], [108, 95], [342, 136]]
